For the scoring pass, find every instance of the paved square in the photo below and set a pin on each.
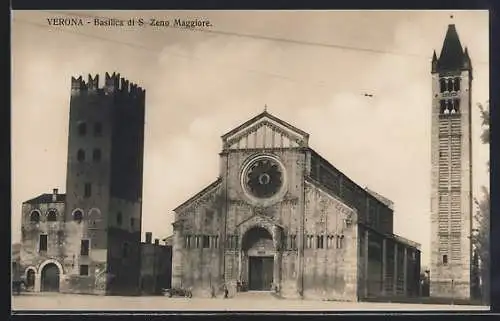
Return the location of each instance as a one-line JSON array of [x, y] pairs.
[[262, 302]]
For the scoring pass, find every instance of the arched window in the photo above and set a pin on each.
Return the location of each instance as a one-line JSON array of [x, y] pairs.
[[96, 155], [35, 217], [82, 129], [78, 216], [51, 216], [97, 129], [442, 85], [442, 106], [450, 84], [119, 218], [456, 85], [456, 105], [80, 155]]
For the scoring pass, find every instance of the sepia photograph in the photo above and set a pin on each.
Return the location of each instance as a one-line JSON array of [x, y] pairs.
[[284, 160]]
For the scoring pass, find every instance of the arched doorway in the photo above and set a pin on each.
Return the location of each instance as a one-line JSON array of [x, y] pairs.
[[30, 279], [258, 252], [50, 278]]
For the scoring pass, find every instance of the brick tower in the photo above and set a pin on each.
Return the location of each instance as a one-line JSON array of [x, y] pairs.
[[104, 186], [451, 176]]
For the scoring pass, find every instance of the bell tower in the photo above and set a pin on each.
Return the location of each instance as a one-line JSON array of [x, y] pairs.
[[451, 173]]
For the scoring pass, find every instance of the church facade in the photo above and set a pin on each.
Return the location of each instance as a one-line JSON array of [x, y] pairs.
[[281, 218]]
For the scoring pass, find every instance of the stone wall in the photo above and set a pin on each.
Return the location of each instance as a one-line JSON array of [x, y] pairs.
[[330, 269]]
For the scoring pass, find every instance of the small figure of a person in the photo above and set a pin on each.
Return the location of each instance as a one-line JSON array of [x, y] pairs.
[[226, 291]]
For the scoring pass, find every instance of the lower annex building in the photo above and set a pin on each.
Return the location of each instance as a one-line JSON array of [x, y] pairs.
[[282, 218]]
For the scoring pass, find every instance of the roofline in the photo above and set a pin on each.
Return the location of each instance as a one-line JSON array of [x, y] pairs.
[[394, 237], [261, 115], [352, 181], [51, 202], [211, 185], [326, 190]]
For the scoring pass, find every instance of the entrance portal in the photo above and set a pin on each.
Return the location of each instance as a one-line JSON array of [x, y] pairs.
[[260, 273], [50, 278]]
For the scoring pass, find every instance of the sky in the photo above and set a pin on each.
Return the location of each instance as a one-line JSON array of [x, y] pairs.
[[201, 84]]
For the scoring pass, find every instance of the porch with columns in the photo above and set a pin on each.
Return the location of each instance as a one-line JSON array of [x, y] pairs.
[[390, 265]]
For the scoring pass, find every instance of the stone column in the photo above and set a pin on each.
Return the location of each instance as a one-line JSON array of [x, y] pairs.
[[405, 271], [38, 282], [395, 276], [240, 265], [177, 259], [276, 272], [384, 264], [277, 248], [300, 258], [365, 258]]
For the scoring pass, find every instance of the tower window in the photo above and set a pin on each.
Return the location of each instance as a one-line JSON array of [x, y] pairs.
[[456, 85], [43, 243], [97, 129], [119, 218], [450, 84], [35, 217], [442, 85], [87, 190], [82, 129], [442, 106], [80, 155], [84, 249], [455, 105], [84, 270], [52, 216], [445, 259], [96, 155]]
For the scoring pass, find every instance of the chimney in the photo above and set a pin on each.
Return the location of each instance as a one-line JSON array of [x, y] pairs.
[[149, 237], [157, 241], [54, 195]]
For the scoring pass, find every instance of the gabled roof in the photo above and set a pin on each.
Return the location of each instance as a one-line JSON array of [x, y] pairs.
[[46, 199], [169, 240], [263, 115], [199, 194]]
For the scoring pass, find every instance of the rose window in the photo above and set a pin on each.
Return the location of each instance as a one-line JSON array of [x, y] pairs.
[[263, 178]]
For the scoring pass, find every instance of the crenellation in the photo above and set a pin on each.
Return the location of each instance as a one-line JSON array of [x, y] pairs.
[[113, 84], [93, 83]]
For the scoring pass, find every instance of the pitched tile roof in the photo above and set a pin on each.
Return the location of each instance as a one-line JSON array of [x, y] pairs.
[[46, 199]]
